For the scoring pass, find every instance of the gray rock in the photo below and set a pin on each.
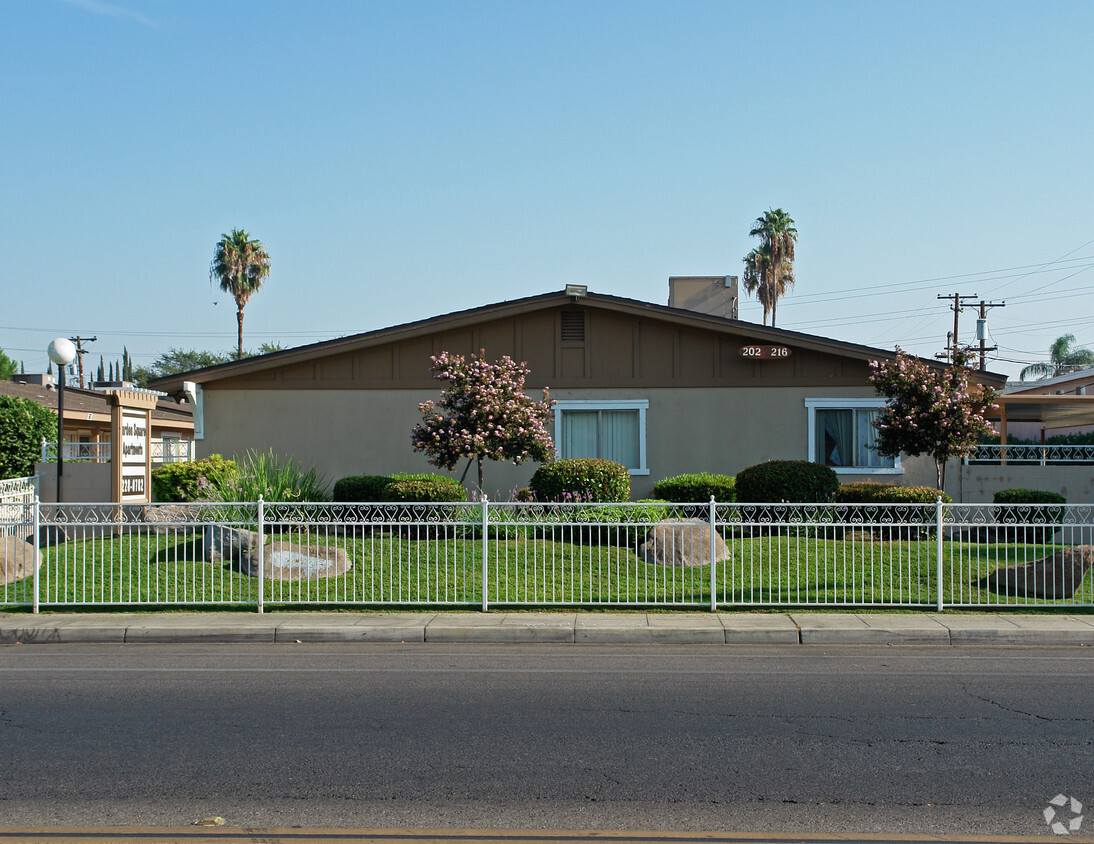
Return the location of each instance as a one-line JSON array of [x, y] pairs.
[[16, 559], [290, 561], [1057, 576], [228, 543], [682, 542], [167, 518]]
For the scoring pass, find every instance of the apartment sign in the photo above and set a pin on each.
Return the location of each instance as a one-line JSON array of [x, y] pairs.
[[134, 441]]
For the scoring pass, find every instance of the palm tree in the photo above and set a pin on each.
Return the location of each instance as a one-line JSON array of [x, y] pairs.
[[758, 277], [777, 238], [239, 264], [1062, 358]]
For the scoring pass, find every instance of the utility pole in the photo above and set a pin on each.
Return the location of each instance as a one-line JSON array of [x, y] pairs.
[[956, 308], [982, 329], [80, 352]]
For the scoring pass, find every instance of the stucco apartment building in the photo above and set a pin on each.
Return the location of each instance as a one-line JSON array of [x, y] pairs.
[[663, 390]]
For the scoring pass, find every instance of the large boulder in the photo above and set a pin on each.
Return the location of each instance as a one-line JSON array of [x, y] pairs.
[[16, 559], [682, 542], [1057, 576], [228, 543], [167, 518], [290, 561]]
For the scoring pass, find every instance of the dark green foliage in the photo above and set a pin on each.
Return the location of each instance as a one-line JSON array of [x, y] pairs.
[[792, 481], [1027, 496], [1021, 515], [582, 479], [691, 489], [869, 492], [403, 488], [7, 369], [361, 488], [193, 481], [23, 426]]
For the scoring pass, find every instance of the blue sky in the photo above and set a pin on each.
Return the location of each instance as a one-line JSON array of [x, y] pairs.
[[405, 159]]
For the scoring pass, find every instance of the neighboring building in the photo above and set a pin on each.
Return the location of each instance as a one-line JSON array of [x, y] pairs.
[[87, 434], [662, 390], [1080, 383]]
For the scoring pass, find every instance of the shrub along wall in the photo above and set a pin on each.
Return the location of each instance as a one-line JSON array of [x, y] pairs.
[[399, 488], [690, 489], [793, 481], [581, 479]]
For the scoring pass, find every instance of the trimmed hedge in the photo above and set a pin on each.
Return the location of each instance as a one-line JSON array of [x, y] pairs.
[[1045, 514], [586, 479], [361, 488], [870, 492], [792, 481], [1027, 496], [191, 481], [399, 488], [695, 488]]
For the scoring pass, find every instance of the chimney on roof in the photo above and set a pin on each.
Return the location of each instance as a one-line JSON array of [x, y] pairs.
[[715, 295]]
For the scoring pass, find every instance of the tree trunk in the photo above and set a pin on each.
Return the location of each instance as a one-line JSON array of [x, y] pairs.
[[239, 345], [480, 473]]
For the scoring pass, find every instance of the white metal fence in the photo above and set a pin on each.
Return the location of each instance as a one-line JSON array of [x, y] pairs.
[[486, 555], [1040, 455], [161, 451]]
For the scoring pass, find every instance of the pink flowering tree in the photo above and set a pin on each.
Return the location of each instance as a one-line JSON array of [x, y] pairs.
[[932, 411], [483, 413]]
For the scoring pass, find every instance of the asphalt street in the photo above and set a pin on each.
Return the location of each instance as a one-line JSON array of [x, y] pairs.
[[897, 739]]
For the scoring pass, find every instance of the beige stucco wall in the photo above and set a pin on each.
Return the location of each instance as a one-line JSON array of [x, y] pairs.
[[979, 482], [351, 432]]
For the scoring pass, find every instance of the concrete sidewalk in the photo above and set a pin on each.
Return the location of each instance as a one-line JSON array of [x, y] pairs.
[[791, 628]]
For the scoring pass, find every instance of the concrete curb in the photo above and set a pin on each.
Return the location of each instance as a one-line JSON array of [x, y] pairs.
[[792, 628]]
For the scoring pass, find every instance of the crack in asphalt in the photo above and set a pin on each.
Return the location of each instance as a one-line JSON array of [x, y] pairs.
[[998, 705]]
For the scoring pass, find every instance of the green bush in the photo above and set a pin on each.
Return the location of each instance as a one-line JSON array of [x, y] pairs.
[[691, 489], [399, 488], [191, 481], [23, 426], [1035, 511], [791, 481], [583, 479], [361, 488], [425, 489], [870, 492], [273, 477]]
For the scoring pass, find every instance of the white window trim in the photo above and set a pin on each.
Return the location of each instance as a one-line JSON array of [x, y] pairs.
[[811, 406], [641, 405]]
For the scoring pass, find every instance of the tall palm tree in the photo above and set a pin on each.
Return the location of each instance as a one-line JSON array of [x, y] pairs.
[[777, 236], [1062, 358], [240, 264]]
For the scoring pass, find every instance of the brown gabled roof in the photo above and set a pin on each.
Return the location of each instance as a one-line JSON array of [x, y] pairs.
[[79, 401], [457, 319]]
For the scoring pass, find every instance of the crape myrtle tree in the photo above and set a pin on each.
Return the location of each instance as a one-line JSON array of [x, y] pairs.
[[483, 413], [933, 411]]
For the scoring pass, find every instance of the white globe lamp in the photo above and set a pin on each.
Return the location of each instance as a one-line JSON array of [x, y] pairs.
[[62, 352]]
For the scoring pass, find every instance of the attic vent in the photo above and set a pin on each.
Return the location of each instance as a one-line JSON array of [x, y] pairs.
[[573, 326]]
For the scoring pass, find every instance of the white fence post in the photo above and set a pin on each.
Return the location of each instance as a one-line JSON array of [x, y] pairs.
[[938, 541], [37, 546], [485, 551], [713, 573], [261, 554]]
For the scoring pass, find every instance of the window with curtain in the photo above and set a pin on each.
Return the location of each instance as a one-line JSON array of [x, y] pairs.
[[845, 437], [609, 430]]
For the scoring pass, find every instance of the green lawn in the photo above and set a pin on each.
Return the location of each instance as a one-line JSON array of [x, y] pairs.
[[442, 566]]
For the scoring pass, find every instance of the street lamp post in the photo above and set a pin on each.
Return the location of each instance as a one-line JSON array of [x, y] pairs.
[[62, 352]]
